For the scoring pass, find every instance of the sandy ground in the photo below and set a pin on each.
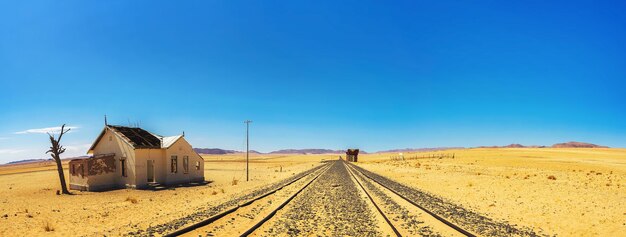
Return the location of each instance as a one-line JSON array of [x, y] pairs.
[[586, 197], [28, 202]]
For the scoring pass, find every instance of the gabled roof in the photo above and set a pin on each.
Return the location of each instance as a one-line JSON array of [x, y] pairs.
[[169, 141], [138, 138]]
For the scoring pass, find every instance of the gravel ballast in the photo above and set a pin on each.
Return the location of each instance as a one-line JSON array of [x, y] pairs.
[[397, 212], [210, 211], [331, 206]]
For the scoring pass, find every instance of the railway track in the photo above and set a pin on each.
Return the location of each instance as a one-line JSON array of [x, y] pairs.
[[271, 214], [333, 205], [354, 172], [260, 223], [342, 199], [194, 229], [369, 196], [463, 221], [229, 216]]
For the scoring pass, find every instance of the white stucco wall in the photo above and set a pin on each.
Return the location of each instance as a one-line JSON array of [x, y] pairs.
[[112, 143], [141, 166], [182, 148]]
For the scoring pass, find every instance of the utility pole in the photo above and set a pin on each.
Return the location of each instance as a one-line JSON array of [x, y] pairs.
[[247, 122]]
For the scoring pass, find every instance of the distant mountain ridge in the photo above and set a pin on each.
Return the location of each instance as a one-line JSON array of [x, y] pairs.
[[514, 145], [420, 149], [213, 151], [558, 145], [577, 145], [218, 151], [307, 151], [27, 161]]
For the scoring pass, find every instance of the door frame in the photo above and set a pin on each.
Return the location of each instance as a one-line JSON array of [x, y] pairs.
[[150, 165]]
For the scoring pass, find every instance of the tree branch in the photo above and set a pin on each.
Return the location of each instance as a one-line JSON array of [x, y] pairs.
[[61, 134]]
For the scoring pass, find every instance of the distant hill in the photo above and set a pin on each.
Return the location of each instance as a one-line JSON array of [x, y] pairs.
[[558, 145], [577, 145], [307, 151], [217, 151], [27, 161], [420, 149], [213, 151], [514, 145]]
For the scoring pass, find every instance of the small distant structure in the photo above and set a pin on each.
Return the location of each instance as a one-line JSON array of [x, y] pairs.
[[131, 157], [352, 155]]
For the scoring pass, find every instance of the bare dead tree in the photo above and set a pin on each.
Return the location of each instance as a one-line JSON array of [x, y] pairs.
[[55, 151]]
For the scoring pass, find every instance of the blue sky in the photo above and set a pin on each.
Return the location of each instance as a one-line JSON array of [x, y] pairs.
[[314, 74]]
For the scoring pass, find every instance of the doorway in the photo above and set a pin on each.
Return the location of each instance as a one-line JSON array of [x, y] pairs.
[[150, 171]]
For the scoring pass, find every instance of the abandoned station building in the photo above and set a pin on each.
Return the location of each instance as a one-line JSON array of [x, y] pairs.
[[130, 157]]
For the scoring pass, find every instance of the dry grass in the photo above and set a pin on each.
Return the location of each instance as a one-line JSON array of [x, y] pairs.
[[235, 182], [551, 177], [214, 192], [48, 227], [132, 200]]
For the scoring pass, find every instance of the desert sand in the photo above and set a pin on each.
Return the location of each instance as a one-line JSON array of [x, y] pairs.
[[29, 204], [564, 192]]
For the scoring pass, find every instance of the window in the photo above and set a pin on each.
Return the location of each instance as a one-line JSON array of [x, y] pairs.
[[197, 165], [174, 164], [123, 166], [186, 164]]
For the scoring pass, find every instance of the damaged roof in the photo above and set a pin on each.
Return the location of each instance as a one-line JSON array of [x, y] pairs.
[[139, 138]]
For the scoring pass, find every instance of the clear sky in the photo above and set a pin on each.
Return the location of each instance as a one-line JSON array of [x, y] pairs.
[[314, 74]]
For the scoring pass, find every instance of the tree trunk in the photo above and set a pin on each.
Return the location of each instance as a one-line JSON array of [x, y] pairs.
[[55, 151], [61, 176]]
